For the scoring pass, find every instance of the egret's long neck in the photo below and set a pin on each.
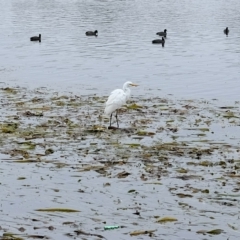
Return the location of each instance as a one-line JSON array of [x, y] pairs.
[[125, 87], [126, 90]]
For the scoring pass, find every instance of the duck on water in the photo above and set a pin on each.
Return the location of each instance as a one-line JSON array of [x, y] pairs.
[[226, 30], [92, 33], [36, 38], [164, 33], [159, 41]]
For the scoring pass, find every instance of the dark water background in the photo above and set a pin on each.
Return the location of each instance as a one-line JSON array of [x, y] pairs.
[[198, 60]]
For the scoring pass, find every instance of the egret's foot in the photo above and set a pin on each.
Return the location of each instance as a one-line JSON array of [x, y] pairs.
[[111, 127]]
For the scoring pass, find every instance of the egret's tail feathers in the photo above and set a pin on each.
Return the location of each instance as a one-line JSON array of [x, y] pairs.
[[110, 108]]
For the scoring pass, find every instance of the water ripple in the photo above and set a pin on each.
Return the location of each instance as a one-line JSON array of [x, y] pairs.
[[198, 60]]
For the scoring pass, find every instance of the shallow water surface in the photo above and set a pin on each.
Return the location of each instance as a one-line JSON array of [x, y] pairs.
[[198, 60], [171, 159], [173, 156]]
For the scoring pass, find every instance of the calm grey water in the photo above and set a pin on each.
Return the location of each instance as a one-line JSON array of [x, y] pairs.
[[197, 61]]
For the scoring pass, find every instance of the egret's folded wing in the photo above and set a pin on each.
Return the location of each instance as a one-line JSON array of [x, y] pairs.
[[114, 95], [116, 99]]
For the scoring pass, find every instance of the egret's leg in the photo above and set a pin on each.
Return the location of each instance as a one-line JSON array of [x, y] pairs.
[[110, 120], [117, 119]]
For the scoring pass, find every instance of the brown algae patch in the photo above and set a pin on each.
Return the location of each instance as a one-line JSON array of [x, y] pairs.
[[176, 158]]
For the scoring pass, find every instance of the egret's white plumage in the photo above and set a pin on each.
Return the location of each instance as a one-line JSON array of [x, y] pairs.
[[118, 98]]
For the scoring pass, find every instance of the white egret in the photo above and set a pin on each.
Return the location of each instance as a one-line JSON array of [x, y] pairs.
[[117, 98]]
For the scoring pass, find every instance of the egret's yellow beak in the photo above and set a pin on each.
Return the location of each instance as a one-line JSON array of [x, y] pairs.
[[133, 84]]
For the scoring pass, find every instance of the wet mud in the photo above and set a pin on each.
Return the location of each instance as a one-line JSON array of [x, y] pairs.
[[171, 171]]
